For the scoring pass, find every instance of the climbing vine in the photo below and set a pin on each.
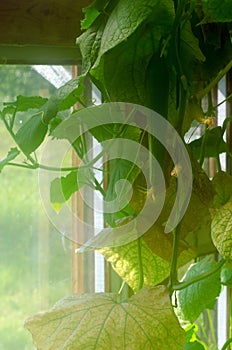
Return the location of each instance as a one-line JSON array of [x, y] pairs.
[[166, 56]]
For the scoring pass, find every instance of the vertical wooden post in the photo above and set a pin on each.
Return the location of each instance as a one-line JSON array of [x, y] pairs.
[[83, 268], [229, 170], [77, 230], [229, 125]]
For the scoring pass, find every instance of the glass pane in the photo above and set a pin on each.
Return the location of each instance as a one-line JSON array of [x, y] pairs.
[[35, 260]]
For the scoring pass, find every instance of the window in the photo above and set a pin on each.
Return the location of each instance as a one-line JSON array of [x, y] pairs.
[[35, 260]]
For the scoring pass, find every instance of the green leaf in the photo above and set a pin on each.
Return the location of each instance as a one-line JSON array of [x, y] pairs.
[[65, 97], [214, 143], [62, 188], [125, 261], [12, 154], [148, 85], [222, 183], [191, 338], [92, 12], [221, 230], [32, 133], [27, 102], [109, 131], [122, 175], [191, 331], [101, 322], [226, 275], [131, 32], [24, 103], [194, 346], [216, 11], [190, 51], [89, 42], [127, 16], [200, 295]]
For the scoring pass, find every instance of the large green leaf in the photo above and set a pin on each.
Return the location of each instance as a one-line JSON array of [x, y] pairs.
[[101, 322], [134, 45], [221, 230], [197, 233], [127, 16], [149, 84], [222, 183], [90, 41], [190, 52], [32, 133], [199, 295], [216, 10]]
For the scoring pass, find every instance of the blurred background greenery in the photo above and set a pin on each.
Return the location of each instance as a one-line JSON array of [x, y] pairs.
[[35, 261]]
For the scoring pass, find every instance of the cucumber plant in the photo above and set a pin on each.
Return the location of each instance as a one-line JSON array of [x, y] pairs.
[[166, 56]]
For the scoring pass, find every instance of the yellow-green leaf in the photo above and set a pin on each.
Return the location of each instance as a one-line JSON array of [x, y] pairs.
[[221, 230], [125, 261], [101, 322]]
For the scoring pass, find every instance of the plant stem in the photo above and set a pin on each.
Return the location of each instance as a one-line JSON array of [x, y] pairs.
[[14, 138], [220, 103], [121, 288], [218, 163], [141, 275], [183, 285], [209, 87], [173, 270], [229, 341], [31, 167], [202, 151], [211, 326]]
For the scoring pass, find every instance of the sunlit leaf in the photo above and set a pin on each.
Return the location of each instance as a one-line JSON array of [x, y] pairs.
[[102, 322], [125, 261], [192, 338], [222, 230], [200, 295]]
